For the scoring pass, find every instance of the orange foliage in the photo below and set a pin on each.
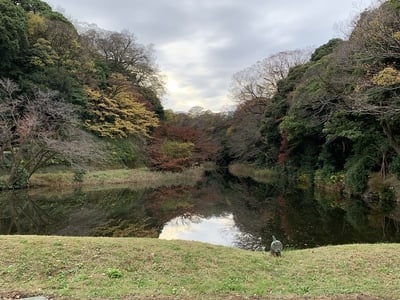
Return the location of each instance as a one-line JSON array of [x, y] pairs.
[[202, 149]]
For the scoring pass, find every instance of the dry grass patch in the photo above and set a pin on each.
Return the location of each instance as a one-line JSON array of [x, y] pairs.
[[140, 178]]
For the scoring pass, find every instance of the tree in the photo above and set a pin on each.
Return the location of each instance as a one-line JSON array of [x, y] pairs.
[[13, 37], [254, 89], [368, 68], [312, 102], [115, 52], [304, 101], [34, 6], [325, 49], [116, 111], [260, 80], [175, 147], [52, 57], [35, 130], [244, 135], [125, 55], [374, 54], [213, 127]]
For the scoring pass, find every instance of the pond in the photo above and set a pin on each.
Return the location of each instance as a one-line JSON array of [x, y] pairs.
[[237, 214]]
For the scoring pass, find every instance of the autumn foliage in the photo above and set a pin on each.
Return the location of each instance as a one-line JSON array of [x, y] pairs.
[[175, 148], [117, 111]]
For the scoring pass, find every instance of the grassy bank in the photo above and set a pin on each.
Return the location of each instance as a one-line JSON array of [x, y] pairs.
[[141, 178], [131, 268], [267, 176]]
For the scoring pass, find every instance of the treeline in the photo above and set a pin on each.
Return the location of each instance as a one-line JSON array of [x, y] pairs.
[[93, 99], [332, 120]]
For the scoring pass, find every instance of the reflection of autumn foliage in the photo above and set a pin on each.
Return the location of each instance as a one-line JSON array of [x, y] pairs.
[[166, 203], [175, 148], [283, 149]]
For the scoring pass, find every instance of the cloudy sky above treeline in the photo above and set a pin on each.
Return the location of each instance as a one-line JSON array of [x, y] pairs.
[[200, 44]]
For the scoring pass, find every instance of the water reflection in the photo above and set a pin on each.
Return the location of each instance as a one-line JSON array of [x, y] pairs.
[[240, 214], [218, 230]]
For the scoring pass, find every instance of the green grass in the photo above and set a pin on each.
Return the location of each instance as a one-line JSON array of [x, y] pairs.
[[133, 268]]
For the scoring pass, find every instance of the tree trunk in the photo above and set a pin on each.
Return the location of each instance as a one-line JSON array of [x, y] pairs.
[[384, 167], [391, 138]]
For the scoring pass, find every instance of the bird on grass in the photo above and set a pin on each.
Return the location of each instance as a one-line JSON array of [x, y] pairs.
[[276, 247]]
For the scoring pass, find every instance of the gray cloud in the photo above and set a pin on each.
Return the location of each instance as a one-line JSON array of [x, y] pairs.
[[200, 44]]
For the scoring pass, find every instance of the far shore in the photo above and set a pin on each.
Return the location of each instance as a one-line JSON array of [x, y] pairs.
[[138, 178]]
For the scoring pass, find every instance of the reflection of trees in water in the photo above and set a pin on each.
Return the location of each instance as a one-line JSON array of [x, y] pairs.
[[249, 242], [20, 215], [254, 213], [297, 218], [69, 213], [112, 212], [127, 228], [186, 219], [301, 221]]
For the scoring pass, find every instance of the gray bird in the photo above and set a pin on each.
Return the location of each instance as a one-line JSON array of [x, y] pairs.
[[276, 247]]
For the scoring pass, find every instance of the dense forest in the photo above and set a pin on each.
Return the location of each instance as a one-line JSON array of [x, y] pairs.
[[86, 98]]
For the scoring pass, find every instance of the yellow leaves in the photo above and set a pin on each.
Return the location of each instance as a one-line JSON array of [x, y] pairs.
[[92, 94], [230, 130], [118, 115], [388, 76], [36, 25], [396, 35], [374, 23], [44, 53]]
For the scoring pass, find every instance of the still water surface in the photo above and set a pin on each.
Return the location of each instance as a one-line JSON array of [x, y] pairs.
[[243, 215], [218, 230]]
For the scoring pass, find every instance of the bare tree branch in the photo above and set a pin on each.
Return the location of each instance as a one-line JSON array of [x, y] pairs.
[[35, 130]]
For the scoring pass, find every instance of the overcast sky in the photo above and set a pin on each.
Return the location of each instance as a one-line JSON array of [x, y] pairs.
[[200, 44]]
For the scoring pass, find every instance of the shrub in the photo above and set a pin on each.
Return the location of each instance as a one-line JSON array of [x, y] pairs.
[[356, 176], [174, 149], [79, 174]]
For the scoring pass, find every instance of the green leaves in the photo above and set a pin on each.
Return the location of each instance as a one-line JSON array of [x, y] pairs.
[[340, 110], [13, 37], [342, 125], [113, 273]]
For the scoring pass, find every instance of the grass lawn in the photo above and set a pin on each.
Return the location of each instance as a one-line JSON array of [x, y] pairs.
[[135, 268]]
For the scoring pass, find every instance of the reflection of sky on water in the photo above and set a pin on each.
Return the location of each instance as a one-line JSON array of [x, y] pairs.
[[218, 230]]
